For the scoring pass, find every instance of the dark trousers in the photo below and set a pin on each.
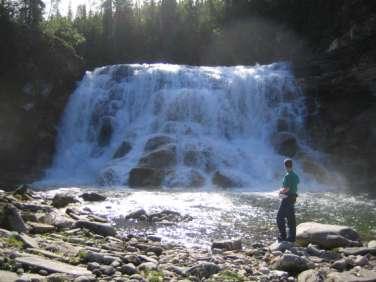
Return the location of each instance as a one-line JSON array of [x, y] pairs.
[[287, 212]]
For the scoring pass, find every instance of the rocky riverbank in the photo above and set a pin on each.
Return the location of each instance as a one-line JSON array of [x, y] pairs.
[[55, 239]]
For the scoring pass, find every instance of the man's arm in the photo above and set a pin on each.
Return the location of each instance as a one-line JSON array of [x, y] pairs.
[[284, 189]]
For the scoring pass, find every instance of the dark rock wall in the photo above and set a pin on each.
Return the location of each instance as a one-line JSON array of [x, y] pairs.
[[34, 87]]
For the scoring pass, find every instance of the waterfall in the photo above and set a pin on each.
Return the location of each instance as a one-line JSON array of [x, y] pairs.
[[179, 126]]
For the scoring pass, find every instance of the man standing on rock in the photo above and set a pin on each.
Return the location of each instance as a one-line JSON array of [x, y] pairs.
[[288, 194]]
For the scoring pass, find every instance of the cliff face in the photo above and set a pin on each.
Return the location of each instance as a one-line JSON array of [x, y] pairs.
[[341, 81], [38, 76]]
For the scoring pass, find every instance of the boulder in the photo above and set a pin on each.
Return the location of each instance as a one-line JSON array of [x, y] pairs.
[[62, 200], [128, 269], [372, 244], [123, 150], [285, 144], [326, 235], [12, 219], [311, 276], [138, 215], [203, 270], [223, 181], [292, 263], [97, 228], [56, 219], [157, 142], [358, 251], [144, 177], [161, 158], [93, 197], [230, 245]]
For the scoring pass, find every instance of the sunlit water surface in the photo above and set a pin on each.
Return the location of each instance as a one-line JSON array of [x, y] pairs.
[[228, 215]]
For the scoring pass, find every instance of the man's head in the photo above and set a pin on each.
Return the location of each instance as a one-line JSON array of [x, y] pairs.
[[288, 164]]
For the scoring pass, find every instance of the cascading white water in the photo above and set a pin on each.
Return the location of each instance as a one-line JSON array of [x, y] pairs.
[[218, 120]]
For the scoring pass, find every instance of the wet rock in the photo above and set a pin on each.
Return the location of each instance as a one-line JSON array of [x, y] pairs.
[[97, 228], [203, 270], [352, 276], [157, 142], [138, 215], [285, 144], [128, 269], [13, 219], [40, 228], [145, 177], [326, 235], [231, 245], [93, 197], [62, 200], [123, 150], [51, 266], [221, 180], [311, 276], [292, 263], [281, 246], [161, 158]]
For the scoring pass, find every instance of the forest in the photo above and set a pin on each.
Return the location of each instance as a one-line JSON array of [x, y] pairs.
[[191, 32]]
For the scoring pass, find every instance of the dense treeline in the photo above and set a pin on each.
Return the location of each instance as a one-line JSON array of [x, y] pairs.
[[186, 31]]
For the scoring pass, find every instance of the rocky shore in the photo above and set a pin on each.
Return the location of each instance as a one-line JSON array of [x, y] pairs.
[[54, 239]]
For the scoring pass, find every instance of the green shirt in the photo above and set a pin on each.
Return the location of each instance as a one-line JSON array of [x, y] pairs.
[[291, 181]]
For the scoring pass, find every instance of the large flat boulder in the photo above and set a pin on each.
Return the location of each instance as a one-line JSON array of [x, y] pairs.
[[326, 235], [145, 177], [363, 275], [52, 266], [97, 228]]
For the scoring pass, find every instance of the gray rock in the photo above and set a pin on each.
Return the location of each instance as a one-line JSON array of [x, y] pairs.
[[51, 266], [56, 219], [28, 241], [357, 251], [41, 228], [13, 219], [372, 244], [128, 269], [292, 263], [101, 258], [326, 236], [230, 245], [147, 266], [203, 270], [62, 200], [360, 261], [7, 276], [342, 264], [134, 259], [352, 276], [107, 270], [93, 197], [59, 277], [281, 246], [97, 228], [85, 279], [311, 276], [138, 214]]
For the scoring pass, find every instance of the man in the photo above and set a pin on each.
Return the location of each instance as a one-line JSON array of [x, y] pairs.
[[288, 194]]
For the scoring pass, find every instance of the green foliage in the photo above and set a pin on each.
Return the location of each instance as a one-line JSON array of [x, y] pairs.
[[64, 29], [13, 241], [154, 276]]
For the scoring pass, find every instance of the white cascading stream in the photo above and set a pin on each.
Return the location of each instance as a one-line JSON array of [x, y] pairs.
[[229, 113]]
